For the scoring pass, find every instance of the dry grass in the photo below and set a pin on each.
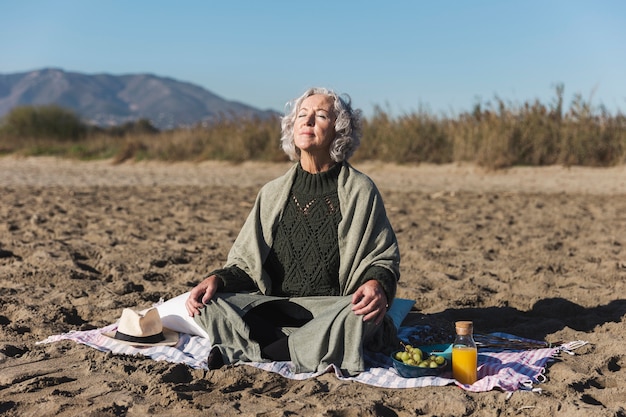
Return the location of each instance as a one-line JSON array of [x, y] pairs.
[[493, 135]]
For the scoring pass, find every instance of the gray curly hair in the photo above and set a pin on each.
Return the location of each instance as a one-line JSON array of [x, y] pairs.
[[347, 125]]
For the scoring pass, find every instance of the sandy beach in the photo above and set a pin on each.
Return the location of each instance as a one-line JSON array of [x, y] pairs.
[[536, 252]]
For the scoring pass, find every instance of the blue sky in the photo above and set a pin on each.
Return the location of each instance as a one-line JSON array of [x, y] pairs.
[[443, 55]]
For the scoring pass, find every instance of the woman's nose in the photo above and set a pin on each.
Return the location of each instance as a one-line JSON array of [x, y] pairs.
[[310, 119]]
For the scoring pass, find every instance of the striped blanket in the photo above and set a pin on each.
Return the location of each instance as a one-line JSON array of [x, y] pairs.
[[506, 370]]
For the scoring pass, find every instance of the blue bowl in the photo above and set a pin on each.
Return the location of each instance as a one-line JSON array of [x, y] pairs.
[[413, 371], [444, 350]]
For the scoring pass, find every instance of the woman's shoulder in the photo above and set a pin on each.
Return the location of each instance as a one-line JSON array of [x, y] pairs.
[[357, 180]]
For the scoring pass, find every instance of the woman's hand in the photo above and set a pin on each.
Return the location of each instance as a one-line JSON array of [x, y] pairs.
[[370, 301], [202, 294]]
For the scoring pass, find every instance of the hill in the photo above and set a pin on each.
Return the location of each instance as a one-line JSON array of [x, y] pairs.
[[107, 100]]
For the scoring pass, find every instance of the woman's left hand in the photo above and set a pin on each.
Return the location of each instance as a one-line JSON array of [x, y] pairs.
[[370, 301]]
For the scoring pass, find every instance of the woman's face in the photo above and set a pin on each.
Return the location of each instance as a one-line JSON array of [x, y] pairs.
[[314, 129]]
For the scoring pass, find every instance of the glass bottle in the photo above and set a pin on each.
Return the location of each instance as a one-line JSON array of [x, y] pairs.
[[464, 354]]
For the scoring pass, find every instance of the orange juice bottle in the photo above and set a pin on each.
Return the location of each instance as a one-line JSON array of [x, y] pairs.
[[464, 354]]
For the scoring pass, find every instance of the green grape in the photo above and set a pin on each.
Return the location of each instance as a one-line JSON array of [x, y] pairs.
[[414, 356]]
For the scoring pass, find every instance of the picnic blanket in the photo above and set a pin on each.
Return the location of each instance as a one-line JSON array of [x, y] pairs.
[[506, 370]]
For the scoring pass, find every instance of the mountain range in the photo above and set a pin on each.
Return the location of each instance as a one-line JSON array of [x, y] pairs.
[[109, 100]]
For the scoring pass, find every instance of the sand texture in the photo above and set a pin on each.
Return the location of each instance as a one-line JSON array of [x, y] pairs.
[[537, 252]]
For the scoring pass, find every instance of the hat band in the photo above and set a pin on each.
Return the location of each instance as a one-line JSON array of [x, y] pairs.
[[155, 338]]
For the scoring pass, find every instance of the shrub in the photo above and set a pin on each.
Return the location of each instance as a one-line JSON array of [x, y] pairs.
[[136, 127], [43, 122]]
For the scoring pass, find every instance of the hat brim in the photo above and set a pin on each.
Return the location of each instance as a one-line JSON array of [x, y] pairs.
[[171, 339]]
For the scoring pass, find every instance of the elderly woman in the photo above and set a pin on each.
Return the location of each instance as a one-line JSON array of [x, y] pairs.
[[315, 266]]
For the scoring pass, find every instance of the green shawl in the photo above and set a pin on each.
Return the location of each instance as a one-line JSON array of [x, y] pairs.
[[336, 335]]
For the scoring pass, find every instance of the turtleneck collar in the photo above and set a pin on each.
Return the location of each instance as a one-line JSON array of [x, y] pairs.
[[320, 183]]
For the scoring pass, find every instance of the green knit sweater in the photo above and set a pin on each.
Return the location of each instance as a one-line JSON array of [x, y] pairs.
[[304, 259]]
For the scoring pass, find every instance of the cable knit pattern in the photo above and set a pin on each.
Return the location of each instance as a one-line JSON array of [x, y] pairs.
[[304, 260]]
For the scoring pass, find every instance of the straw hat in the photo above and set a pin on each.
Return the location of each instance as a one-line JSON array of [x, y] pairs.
[[143, 329]]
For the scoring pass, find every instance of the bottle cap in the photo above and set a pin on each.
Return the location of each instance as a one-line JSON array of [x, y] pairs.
[[464, 327]]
